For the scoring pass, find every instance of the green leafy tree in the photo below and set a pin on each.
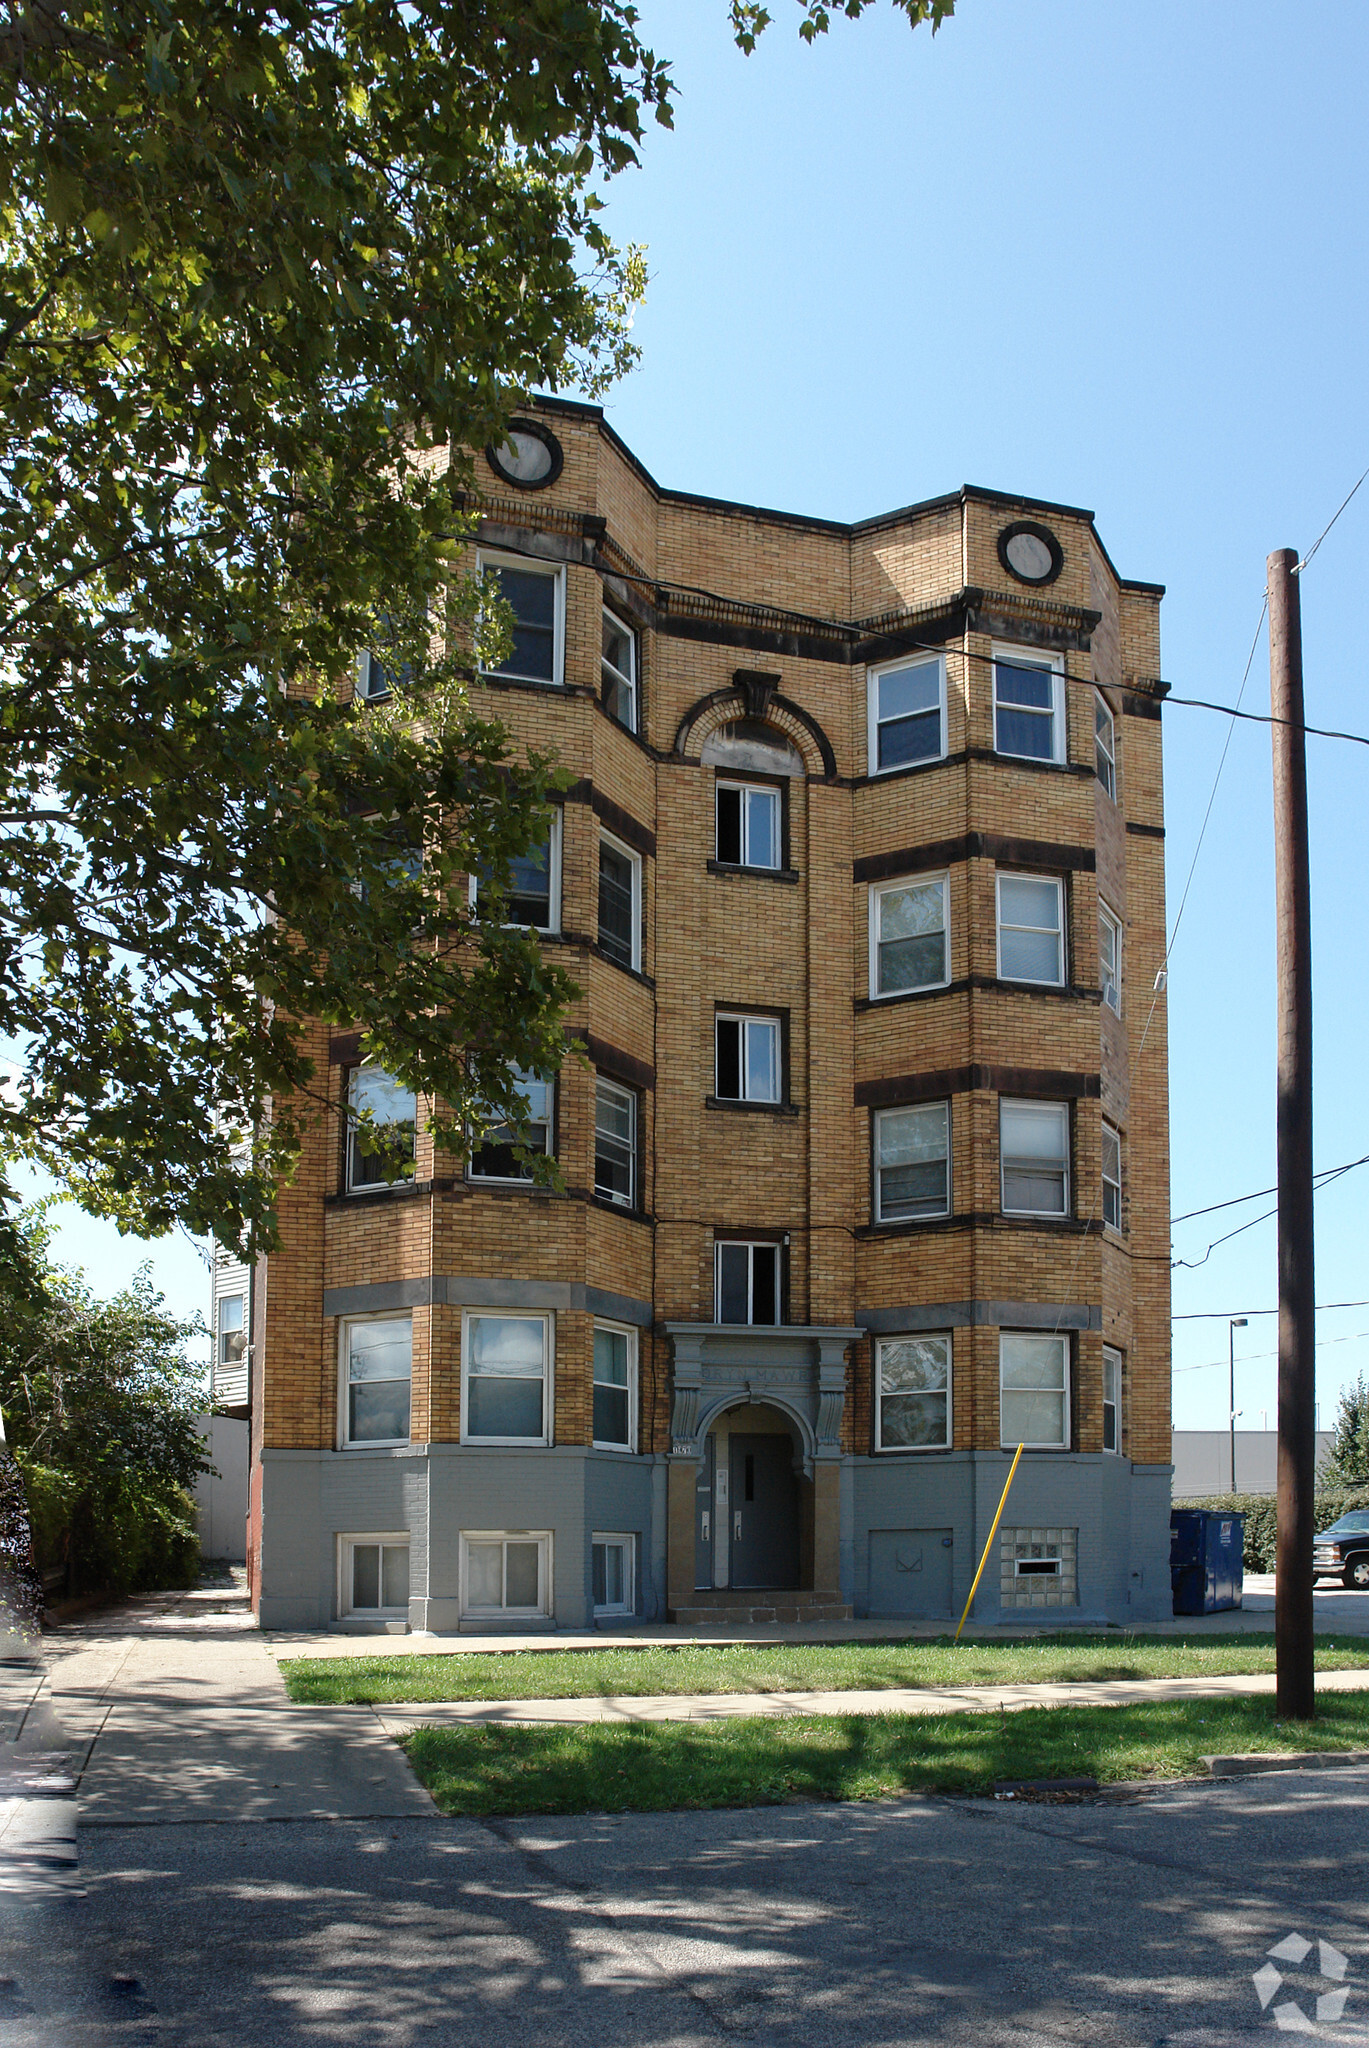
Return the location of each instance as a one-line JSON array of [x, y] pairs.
[[267, 275], [99, 1402], [1347, 1461]]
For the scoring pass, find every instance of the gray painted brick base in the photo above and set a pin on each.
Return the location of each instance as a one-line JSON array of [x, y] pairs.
[[912, 1528]]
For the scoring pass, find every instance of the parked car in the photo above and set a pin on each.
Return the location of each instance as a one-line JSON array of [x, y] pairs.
[[1342, 1551]]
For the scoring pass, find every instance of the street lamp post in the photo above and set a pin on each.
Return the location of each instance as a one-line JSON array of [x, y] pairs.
[[1234, 1323]]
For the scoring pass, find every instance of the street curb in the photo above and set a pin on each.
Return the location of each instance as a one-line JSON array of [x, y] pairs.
[[1255, 1764]]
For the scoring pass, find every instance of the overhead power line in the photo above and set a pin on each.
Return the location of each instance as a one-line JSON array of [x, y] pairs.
[[1225, 1315], [1327, 528], [1256, 1194]]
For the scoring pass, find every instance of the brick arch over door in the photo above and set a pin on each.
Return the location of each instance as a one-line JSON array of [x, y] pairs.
[[728, 707]]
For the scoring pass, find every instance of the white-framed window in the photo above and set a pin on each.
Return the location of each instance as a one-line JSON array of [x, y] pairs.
[[907, 713], [1034, 1390], [1034, 1149], [618, 670], [615, 1387], [506, 1572], [1112, 1399], [913, 1162], [746, 1282], [493, 1157], [910, 935], [1028, 704], [506, 1377], [378, 679], [913, 1392], [613, 1573], [393, 1119], [1112, 1177], [535, 593], [620, 902], [231, 1316], [1105, 743], [1110, 958], [1031, 929], [375, 1367], [534, 891], [748, 824], [615, 1142], [748, 1058], [373, 1575]]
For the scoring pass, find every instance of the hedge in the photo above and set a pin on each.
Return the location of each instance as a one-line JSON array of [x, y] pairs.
[[115, 1534], [1261, 1517]]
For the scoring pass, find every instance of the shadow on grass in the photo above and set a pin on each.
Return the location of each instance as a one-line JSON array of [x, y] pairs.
[[666, 1766]]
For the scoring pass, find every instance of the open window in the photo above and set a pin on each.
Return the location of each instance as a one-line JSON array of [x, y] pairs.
[[747, 1281], [494, 1157]]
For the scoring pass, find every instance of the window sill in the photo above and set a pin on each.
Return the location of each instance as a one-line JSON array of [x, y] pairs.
[[353, 1197], [619, 1450], [910, 995], [742, 868], [913, 1450], [505, 1443], [606, 1202], [756, 1108], [883, 1224]]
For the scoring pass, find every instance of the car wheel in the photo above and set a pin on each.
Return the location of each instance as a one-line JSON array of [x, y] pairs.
[[1356, 1575]]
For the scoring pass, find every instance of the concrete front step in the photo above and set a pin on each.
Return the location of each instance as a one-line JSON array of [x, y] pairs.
[[743, 1610]]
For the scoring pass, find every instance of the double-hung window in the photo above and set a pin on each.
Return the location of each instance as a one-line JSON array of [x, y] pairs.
[[907, 714], [913, 1393], [374, 1575], [913, 1162], [748, 1058], [232, 1347], [748, 825], [494, 1157], [1034, 1146], [533, 895], [1112, 1399], [910, 935], [376, 1359], [618, 668], [1034, 1391], [1105, 744], [1110, 958], [620, 903], [747, 1282], [1112, 1177], [615, 1387], [1031, 929], [1028, 705], [506, 1375], [382, 1122], [615, 1143], [534, 595]]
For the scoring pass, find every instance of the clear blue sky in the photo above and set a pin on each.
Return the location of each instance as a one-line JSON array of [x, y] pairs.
[[1113, 256]]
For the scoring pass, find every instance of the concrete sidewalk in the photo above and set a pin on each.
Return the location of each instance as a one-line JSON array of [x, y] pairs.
[[174, 1711], [722, 1706]]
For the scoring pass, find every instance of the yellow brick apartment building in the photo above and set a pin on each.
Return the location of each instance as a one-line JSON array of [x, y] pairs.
[[860, 874]]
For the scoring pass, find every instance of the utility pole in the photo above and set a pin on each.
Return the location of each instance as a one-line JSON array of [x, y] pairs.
[[1293, 1636], [1234, 1323]]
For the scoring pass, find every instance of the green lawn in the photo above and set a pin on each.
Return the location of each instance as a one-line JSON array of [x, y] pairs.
[[787, 1667], [664, 1765]]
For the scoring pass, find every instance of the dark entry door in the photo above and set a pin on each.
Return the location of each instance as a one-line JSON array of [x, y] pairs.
[[765, 1512]]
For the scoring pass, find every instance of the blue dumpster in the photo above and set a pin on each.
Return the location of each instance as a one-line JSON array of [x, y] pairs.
[[1206, 1560]]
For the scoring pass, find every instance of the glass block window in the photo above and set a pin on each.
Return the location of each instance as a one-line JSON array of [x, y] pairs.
[[1038, 1567]]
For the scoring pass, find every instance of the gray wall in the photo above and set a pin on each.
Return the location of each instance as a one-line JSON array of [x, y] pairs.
[[221, 1498], [1202, 1460]]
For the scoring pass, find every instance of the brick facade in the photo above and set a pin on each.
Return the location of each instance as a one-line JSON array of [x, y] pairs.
[[720, 594]]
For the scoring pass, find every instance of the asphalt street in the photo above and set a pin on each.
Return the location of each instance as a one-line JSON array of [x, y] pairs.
[[912, 1921]]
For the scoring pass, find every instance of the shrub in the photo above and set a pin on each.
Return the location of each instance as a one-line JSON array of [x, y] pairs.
[[1261, 1521]]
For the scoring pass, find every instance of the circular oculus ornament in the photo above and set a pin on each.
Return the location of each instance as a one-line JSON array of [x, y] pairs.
[[529, 457], [1030, 552]]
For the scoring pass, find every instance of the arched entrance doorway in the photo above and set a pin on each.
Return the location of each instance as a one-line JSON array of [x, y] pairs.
[[748, 1501]]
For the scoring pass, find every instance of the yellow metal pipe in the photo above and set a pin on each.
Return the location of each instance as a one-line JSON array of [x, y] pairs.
[[989, 1543]]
